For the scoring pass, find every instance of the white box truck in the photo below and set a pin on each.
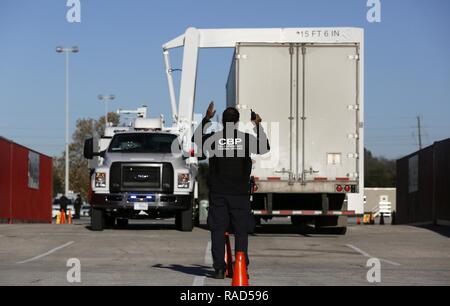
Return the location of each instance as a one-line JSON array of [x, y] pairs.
[[307, 85]]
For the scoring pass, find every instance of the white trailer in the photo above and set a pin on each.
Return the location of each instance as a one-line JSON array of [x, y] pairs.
[[307, 85]]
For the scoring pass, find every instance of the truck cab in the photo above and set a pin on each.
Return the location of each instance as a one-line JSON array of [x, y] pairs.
[[139, 172]]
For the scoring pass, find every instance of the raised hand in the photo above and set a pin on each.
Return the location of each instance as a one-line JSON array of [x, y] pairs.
[[258, 120], [211, 112]]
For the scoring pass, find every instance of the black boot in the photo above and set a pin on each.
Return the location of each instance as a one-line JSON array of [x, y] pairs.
[[219, 274]]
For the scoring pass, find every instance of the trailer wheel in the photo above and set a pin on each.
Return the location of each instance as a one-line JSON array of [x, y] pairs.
[[97, 219], [184, 220], [258, 221], [340, 231], [298, 221], [122, 223]]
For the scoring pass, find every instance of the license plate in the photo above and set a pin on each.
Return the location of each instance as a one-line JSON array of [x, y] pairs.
[[140, 206]]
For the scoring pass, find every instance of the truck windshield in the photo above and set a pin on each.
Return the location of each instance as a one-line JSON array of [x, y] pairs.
[[143, 143]]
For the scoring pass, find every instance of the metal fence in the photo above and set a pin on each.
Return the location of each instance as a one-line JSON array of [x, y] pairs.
[[423, 186]]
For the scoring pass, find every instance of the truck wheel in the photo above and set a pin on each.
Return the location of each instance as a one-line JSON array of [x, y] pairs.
[[298, 221], [340, 231], [97, 219], [184, 221], [110, 221], [258, 221], [197, 219], [122, 223]]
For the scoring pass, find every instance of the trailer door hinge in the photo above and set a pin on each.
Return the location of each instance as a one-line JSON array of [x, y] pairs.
[[353, 57], [353, 107], [241, 56]]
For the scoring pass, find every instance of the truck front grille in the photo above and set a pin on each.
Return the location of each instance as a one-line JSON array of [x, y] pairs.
[[141, 177], [132, 177]]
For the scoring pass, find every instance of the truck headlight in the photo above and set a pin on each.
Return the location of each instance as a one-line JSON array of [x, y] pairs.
[[184, 180], [100, 180]]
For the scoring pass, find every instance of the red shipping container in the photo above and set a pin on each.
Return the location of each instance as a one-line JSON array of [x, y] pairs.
[[25, 184]]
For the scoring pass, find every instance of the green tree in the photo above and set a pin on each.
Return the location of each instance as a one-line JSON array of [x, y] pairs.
[[379, 171], [79, 173]]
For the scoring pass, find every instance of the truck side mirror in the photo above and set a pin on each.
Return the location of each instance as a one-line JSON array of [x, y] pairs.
[[88, 151]]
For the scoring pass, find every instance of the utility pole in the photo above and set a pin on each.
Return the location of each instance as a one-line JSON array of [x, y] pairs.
[[419, 132]]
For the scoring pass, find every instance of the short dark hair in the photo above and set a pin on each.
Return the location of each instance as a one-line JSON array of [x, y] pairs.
[[230, 115]]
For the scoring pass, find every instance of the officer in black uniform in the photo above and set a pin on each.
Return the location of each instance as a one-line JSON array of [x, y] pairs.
[[230, 166]]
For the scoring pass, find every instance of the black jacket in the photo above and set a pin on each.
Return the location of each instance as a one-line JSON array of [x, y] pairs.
[[229, 152]]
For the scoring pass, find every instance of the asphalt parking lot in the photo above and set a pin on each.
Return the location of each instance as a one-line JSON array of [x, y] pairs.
[[154, 253]]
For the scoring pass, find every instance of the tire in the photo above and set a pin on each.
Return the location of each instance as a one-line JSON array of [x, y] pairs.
[[122, 223], [298, 221], [110, 221], [184, 221], [197, 219], [340, 231], [97, 219], [258, 221]]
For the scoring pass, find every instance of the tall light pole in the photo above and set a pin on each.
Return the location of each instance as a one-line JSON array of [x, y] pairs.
[[106, 99], [67, 51]]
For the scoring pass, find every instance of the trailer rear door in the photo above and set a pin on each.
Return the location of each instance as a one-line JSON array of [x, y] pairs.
[[310, 93], [265, 78], [330, 104]]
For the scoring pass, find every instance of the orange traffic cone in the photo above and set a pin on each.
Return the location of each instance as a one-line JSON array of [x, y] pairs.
[[63, 217], [228, 257], [240, 277], [69, 218]]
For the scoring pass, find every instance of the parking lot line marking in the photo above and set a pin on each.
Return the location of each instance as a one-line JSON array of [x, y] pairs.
[[359, 250], [47, 253], [208, 256], [199, 281], [365, 254]]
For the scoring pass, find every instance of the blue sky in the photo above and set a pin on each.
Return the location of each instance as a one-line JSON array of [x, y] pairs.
[[407, 61]]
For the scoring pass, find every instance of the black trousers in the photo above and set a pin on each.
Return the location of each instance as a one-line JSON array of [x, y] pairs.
[[228, 213], [77, 211]]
